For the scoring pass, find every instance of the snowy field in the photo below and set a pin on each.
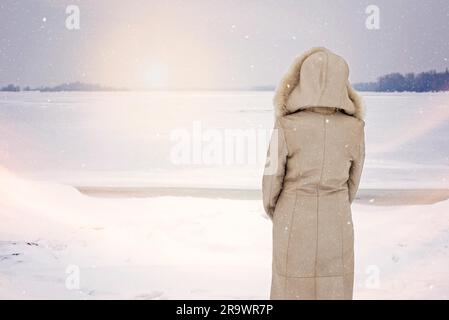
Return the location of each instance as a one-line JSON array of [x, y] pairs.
[[186, 248], [56, 242]]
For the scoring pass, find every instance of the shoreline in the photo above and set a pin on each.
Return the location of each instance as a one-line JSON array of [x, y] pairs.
[[379, 197]]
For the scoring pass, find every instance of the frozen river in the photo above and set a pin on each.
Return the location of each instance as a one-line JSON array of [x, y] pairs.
[[128, 138]]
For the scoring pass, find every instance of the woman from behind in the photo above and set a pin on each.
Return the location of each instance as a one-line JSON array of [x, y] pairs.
[[313, 171]]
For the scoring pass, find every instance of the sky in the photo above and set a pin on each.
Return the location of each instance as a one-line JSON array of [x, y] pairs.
[[213, 43]]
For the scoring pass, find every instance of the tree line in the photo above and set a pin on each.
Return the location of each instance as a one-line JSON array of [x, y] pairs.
[[430, 81], [73, 86], [396, 82]]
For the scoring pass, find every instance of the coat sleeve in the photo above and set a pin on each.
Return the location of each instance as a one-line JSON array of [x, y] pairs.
[[355, 172], [275, 168]]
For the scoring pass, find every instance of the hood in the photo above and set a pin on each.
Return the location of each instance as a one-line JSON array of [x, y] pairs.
[[317, 78]]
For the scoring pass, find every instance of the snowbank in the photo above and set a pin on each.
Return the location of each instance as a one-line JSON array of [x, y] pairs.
[[58, 243]]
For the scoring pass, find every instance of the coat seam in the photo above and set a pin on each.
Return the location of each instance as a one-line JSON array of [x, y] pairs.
[[342, 241], [271, 186], [269, 196], [288, 243], [318, 206]]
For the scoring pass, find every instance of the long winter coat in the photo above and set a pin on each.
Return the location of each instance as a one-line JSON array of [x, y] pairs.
[[312, 175]]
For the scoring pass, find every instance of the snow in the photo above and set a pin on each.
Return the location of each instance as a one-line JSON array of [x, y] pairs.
[[176, 247], [123, 138], [128, 248], [188, 248]]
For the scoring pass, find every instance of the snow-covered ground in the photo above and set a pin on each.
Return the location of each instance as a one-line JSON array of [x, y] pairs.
[[58, 243]]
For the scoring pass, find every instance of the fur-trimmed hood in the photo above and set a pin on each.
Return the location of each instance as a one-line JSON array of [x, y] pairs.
[[317, 78]]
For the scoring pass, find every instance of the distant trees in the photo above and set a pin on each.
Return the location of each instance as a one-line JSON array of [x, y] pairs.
[[79, 86], [392, 82], [421, 82], [10, 87], [73, 86]]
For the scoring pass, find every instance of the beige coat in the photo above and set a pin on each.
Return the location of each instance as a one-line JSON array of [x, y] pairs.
[[312, 175]]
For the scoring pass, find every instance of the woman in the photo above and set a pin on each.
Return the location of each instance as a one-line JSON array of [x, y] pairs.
[[313, 171]]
